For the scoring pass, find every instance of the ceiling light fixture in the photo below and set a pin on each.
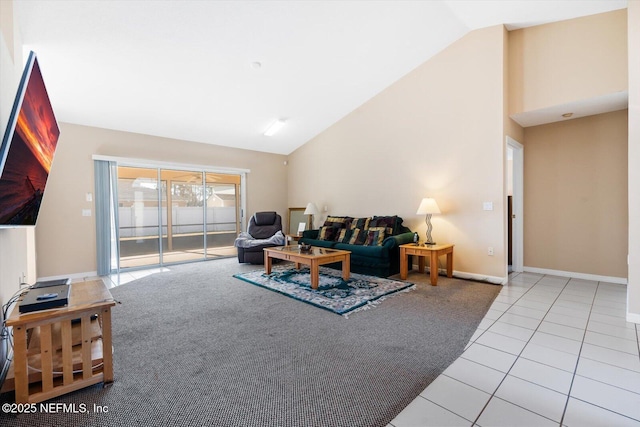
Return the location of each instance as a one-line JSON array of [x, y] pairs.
[[567, 115], [274, 127]]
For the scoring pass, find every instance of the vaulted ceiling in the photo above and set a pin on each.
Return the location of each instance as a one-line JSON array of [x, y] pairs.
[[220, 72]]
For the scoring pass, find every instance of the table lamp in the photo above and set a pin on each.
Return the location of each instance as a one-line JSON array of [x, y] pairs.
[[428, 207], [312, 210]]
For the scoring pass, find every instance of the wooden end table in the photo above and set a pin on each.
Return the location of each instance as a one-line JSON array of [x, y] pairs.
[[64, 349], [313, 258], [422, 252]]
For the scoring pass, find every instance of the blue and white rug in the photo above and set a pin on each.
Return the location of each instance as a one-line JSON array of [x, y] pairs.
[[333, 293]]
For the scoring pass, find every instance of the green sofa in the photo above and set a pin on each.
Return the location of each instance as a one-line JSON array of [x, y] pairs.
[[375, 252]]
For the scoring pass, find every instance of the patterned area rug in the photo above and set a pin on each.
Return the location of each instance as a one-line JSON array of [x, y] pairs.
[[333, 293]]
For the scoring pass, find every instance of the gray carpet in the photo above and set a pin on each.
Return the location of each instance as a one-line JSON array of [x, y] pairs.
[[197, 347]]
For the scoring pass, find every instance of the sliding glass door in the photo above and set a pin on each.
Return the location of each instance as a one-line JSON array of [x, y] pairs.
[[170, 216], [184, 211], [223, 213], [139, 192]]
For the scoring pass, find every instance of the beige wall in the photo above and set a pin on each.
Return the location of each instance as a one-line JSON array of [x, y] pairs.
[[437, 132], [575, 196], [633, 288], [567, 61], [61, 224], [556, 64]]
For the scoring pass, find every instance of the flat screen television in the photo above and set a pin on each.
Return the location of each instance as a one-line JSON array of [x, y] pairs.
[[27, 150]]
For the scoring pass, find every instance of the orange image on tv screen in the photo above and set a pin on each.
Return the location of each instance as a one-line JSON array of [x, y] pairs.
[[29, 150]]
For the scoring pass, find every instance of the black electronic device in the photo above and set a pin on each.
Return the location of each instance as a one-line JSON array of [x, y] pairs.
[[44, 298], [55, 282]]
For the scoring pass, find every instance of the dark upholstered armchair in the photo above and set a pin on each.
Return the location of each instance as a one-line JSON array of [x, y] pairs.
[[264, 231]]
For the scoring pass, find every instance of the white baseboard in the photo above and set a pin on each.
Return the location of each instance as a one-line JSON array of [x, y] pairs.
[[74, 276], [575, 275], [495, 280], [471, 276], [633, 317]]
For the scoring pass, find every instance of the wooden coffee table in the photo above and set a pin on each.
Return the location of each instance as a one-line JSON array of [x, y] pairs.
[[313, 258]]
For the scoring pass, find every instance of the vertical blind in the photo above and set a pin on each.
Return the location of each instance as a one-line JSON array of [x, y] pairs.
[[106, 220]]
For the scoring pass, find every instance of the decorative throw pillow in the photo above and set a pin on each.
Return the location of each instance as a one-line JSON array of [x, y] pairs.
[[375, 236], [328, 233], [344, 235], [390, 222], [338, 221], [358, 237], [361, 223]]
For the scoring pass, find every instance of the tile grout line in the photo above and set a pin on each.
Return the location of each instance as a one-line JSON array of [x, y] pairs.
[[520, 353], [609, 364], [575, 370], [576, 374], [510, 306], [447, 409], [605, 409], [637, 338]]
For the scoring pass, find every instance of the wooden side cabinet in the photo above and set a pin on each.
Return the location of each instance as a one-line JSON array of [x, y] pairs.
[[422, 252], [61, 350]]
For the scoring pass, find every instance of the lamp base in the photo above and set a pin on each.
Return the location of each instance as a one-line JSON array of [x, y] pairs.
[[429, 243]]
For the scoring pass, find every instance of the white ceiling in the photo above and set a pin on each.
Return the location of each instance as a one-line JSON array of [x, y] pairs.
[[183, 69]]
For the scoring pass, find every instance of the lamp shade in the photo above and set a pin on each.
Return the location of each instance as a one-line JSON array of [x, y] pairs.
[[428, 206], [311, 209]]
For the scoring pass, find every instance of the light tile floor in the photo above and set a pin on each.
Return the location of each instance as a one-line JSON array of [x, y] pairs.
[[550, 351], [114, 280]]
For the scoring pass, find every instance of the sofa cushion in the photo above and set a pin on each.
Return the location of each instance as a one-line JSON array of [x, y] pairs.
[[360, 251], [361, 223], [328, 232], [338, 221], [344, 235], [358, 237], [375, 236], [390, 222]]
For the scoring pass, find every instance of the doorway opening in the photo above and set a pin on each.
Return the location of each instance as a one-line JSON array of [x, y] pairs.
[[515, 205]]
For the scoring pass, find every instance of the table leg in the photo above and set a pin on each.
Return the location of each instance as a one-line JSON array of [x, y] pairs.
[[450, 264], [346, 267], [107, 346], [267, 263], [20, 364], [315, 274], [433, 268], [421, 263], [404, 264]]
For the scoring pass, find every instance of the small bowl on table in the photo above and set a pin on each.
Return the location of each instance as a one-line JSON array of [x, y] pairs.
[[304, 247]]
